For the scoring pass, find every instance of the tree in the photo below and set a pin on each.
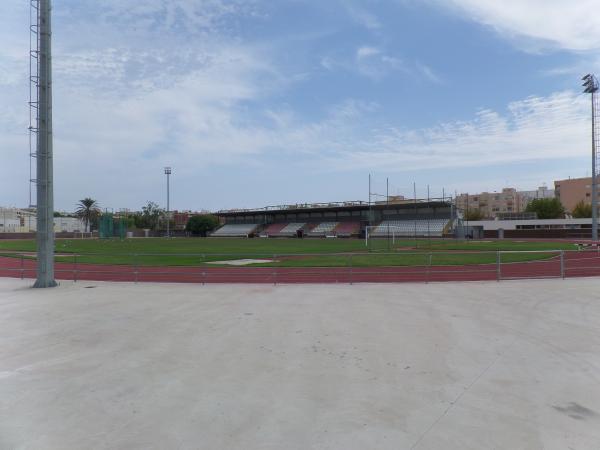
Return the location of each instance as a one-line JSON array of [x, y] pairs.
[[582, 210], [473, 214], [149, 217], [88, 211], [200, 225], [130, 221], [546, 208]]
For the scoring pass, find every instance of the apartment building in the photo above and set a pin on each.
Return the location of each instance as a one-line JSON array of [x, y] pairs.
[[492, 203], [572, 191], [540, 192], [508, 201]]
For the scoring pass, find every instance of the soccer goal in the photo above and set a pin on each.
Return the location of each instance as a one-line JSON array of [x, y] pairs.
[[385, 236]]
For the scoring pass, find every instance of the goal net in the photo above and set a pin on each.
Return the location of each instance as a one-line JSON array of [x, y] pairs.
[[388, 237]]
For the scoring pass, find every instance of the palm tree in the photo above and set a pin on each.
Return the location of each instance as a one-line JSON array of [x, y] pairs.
[[87, 210]]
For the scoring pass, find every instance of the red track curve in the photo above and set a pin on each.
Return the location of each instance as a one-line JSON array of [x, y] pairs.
[[577, 264]]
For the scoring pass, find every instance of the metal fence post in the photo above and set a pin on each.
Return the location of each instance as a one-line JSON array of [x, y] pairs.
[[498, 273], [350, 262], [562, 264], [429, 257], [135, 268], [75, 267], [22, 267], [274, 270]]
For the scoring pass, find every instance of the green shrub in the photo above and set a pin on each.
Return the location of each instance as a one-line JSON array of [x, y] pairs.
[[201, 225]]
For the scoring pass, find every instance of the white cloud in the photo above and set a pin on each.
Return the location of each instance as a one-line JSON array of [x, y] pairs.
[[375, 64], [572, 25], [362, 16], [366, 52], [127, 103], [537, 128], [195, 16], [128, 98], [429, 73]]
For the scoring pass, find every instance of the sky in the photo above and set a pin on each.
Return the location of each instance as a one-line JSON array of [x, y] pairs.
[[256, 103]]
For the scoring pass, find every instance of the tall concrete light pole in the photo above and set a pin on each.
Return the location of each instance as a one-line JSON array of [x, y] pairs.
[[43, 154], [168, 174], [590, 84]]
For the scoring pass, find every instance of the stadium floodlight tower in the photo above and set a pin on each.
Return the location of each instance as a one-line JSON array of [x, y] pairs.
[[591, 86], [168, 174], [43, 154]]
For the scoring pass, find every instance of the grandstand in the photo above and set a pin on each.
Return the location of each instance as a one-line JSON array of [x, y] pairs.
[[432, 218]]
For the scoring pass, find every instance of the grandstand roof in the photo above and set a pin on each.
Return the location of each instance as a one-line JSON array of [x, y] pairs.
[[329, 206]]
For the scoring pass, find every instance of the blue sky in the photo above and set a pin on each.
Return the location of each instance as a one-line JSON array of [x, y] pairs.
[[258, 103]]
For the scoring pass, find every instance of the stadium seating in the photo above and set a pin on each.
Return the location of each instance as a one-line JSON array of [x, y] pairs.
[[282, 229], [235, 230], [291, 229], [323, 229], [346, 229], [273, 229], [420, 227]]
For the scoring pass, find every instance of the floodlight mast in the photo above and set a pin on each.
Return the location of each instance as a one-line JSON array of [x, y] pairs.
[[168, 174], [44, 175], [591, 86]]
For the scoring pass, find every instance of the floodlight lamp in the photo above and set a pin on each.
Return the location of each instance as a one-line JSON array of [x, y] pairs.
[[590, 83], [167, 171]]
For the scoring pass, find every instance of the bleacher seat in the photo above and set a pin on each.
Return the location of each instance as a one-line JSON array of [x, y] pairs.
[[323, 229], [346, 229], [235, 230], [419, 227], [291, 229], [273, 229]]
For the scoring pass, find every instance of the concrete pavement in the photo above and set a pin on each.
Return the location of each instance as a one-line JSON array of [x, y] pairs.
[[482, 365]]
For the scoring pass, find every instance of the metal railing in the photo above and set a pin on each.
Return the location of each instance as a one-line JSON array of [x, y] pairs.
[[424, 266]]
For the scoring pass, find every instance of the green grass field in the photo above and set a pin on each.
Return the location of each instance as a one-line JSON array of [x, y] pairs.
[[290, 252]]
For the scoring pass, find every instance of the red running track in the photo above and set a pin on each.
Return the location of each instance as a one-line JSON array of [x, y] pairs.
[[576, 264]]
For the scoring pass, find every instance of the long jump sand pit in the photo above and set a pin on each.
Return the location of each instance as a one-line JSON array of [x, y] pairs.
[[483, 365]]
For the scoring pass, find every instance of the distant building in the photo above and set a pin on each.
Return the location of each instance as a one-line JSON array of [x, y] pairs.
[[505, 204], [572, 191], [15, 220], [180, 218], [541, 192], [394, 200], [490, 204], [68, 224], [516, 216]]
